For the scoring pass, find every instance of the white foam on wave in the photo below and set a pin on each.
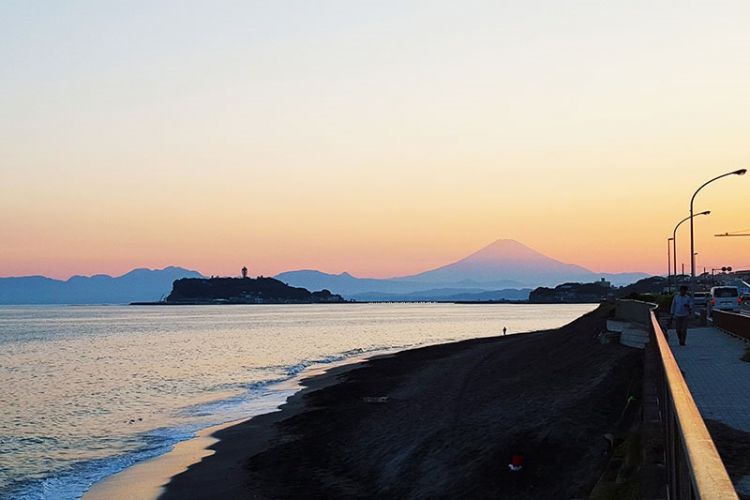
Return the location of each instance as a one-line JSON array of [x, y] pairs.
[[73, 482], [259, 397]]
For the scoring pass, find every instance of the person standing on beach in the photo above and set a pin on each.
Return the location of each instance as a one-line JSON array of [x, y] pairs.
[[504, 330], [682, 307]]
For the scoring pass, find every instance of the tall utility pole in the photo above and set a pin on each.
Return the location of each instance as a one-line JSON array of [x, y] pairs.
[[669, 264], [674, 242]]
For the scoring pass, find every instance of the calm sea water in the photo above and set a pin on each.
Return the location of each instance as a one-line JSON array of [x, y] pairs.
[[87, 391]]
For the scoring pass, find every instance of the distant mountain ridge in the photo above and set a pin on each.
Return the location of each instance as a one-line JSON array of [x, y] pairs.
[[502, 267], [503, 270], [136, 285]]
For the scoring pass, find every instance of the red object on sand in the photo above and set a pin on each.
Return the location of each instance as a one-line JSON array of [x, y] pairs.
[[517, 460]]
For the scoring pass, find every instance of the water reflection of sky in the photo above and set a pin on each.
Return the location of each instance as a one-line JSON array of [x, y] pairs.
[[87, 391]]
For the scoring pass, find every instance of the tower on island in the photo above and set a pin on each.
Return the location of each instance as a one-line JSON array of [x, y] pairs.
[[244, 272]]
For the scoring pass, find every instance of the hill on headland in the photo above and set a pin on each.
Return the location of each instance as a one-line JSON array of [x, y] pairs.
[[244, 291]]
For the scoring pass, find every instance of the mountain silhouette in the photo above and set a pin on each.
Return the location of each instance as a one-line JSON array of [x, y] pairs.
[[505, 268], [502, 267], [506, 260], [138, 285]]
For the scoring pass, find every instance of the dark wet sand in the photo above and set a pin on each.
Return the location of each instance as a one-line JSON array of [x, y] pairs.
[[454, 415]]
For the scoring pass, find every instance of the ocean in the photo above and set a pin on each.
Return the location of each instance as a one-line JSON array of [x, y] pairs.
[[86, 391]]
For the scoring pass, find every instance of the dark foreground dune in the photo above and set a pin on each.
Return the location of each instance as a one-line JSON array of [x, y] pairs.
[[453, 417]]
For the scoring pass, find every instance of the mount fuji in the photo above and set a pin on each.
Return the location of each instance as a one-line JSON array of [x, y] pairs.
[[502, 266]]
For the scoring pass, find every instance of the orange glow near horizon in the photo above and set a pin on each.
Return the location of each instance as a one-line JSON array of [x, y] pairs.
[[382, 142], [603, 229]]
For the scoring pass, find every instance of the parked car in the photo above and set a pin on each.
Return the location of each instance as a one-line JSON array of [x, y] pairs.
[[700, 299], [724, 298]]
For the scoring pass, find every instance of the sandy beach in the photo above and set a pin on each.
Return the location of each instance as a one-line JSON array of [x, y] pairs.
[[147, 480], [438, 421]]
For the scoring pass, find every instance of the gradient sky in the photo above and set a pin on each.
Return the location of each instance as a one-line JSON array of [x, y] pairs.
[[379, 138]]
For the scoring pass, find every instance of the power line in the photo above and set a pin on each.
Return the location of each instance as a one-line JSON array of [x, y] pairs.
[[736, 233]]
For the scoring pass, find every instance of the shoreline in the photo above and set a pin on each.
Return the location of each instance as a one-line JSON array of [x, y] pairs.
[[148, 479], [153, 475], [403, 327], [440, 420], [214, 463]]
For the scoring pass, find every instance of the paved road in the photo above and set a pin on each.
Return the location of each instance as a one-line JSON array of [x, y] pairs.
[[718, 379]]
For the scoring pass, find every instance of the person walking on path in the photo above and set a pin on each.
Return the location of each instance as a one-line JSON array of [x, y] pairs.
[[682, 307]]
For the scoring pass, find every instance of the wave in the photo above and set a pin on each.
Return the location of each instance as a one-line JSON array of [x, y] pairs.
[[74, 481], [256, 398]]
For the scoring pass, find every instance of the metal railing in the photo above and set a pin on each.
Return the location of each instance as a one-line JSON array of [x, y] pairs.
[[694, 468], [735, 324]]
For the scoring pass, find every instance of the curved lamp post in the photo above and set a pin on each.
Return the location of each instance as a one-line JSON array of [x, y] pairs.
[[674, 240], [741, 171]]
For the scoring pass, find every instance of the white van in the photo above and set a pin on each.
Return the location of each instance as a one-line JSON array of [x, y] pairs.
[[724, 298], [700, 299]]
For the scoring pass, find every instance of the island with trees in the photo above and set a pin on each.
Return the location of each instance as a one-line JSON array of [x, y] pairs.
[[245, 290]]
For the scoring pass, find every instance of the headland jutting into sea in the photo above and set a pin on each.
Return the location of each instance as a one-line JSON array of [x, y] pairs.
[[245, 290]]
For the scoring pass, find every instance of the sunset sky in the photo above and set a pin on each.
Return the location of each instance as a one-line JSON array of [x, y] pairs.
[[379, 138]]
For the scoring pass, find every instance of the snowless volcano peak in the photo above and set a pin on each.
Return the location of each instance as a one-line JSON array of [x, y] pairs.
[[506, 260], [504, 250]]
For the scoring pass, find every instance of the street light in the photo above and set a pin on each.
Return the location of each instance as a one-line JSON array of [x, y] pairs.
[[674, 240], [741, 171]]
